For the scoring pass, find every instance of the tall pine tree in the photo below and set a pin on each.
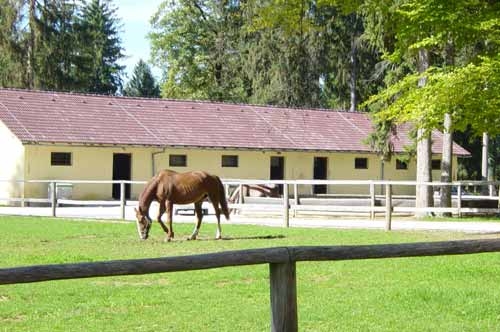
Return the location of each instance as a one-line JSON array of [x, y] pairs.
[[143, 83], [57, 50], [98, 30], [12, 54]]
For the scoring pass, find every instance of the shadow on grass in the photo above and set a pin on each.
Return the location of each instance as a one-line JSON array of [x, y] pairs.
[[230, 238], [262, 237]]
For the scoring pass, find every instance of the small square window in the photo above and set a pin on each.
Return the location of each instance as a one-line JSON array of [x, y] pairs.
[[177, 160], [60, 158], [436, 164], [401, 164], [361, 163], [229, 161]]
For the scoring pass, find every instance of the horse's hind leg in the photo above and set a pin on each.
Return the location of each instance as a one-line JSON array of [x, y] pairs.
[[218, 235], [170, 208], [215, 202], [199, 216]]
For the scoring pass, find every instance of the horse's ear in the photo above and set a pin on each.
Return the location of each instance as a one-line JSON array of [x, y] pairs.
[[135, 209]]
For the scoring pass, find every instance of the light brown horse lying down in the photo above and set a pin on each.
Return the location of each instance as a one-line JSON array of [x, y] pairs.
[[169, 188]]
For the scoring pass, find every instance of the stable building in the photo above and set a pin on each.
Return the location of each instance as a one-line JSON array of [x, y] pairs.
[[69, 136]]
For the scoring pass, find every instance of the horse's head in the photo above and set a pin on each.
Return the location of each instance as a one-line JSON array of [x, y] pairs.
[[144, 223]]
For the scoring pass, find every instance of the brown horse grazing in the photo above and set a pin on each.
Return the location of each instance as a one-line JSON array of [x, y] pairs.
[[169, 188]]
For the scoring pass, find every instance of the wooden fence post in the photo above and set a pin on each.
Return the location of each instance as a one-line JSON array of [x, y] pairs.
[[388, 207], [53, 198], [122, 199], [372, 201], [283, 284], [286, 206]]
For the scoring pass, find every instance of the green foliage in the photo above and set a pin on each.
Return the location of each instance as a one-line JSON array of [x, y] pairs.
[[197, 42], [468, 93], [290, 53], [12, 53], [143, 83], [324, 61], [60, 45], [448, 29], [380, 139], [462, 38], [57, 41]]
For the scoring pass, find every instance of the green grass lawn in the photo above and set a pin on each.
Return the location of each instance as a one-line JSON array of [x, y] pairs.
[[453, 293]]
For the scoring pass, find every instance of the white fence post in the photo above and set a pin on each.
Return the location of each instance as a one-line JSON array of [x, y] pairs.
[[459, 200], [241, 196], [295, 194], [295, 198], [498, 206], [286, 206], [372, 201], [23, 189], [53, 198], [388, 207], [122, 199]]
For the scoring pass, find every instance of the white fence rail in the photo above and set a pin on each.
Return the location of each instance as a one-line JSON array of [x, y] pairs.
[[290, 202]]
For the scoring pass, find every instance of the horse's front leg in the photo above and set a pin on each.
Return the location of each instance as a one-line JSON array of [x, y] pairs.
[[170, 207], [199, 216], [161, 211]]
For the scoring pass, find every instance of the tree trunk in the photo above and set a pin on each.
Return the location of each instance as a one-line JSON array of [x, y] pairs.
[[353, 78], [424, 193], [446, 164], [31, 46]]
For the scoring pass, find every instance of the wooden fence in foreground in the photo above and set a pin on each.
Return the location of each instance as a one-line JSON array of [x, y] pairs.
[[281, 260]]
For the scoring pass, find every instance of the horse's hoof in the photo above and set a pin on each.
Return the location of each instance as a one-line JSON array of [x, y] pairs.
[[168, 239]]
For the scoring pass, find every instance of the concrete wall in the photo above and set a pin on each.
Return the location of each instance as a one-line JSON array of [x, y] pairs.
[[11, 165], [96, 163]]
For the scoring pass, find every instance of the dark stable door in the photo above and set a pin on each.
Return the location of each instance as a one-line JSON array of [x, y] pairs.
[[320, 170], [278, 170], [121, 171]]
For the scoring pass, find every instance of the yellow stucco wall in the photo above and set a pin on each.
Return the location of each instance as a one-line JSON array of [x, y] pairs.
[[96, 163], [88, 163], [11, 165]]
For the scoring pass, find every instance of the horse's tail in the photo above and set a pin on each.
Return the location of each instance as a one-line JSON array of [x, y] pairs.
[[223, 200]]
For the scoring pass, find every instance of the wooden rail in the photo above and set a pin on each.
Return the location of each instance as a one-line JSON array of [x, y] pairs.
[[281, 260]]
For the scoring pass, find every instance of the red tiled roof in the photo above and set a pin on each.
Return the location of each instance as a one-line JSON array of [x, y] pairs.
[[53, 117]]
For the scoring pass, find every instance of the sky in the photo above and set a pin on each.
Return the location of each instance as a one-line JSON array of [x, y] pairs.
[[135, 16]]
